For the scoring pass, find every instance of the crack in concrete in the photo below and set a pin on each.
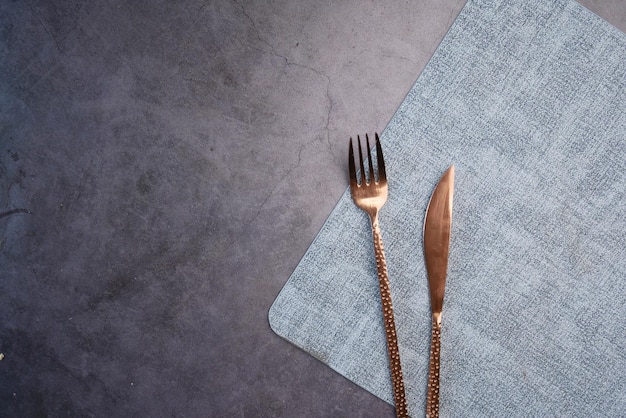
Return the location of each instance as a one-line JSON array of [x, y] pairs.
[[329, 111], [46, 29], [14, 211], [278, 183], [295, 64], [272, 48], [398, 57], [331, 105]]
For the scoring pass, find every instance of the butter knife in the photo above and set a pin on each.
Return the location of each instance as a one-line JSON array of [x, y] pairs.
[[437, 226]]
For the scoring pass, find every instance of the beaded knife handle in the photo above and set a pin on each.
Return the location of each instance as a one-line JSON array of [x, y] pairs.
[[432, 397]]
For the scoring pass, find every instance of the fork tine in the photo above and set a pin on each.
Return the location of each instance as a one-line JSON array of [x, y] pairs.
[[351, 167], [362, 167], [369, 159], [382, 173]]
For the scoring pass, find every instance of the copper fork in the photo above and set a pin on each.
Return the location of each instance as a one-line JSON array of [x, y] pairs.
[[370, 194]]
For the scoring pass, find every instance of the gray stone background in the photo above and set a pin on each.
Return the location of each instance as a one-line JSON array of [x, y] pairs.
[[163, 167]]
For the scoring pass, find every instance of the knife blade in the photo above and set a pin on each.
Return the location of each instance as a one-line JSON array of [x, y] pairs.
[[437, 228]]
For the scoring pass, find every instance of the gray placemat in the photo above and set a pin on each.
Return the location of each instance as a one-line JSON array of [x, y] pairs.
[[527, 99]]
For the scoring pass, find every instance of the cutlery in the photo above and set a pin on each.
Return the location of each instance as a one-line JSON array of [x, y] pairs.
[[370, 195], [437, 226]]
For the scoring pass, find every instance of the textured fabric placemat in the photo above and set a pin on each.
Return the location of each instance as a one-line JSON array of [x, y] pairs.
[[527, 99]]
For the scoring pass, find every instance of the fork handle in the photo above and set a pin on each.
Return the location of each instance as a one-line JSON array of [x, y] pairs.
[[390, 326], [432, 397]]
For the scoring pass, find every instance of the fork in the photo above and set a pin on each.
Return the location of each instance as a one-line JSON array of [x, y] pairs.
[[370, 194]]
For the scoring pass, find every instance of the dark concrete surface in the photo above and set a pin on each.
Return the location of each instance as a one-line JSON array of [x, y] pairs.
[[163, 167]]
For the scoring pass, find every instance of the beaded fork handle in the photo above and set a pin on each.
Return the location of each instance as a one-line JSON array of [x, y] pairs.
[[390, 325], [370, 195]]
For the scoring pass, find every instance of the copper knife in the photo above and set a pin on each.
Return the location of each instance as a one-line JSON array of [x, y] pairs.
[[437, 226]]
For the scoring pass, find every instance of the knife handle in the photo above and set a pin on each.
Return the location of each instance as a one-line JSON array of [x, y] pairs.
[[390, 325], [432, 398]]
